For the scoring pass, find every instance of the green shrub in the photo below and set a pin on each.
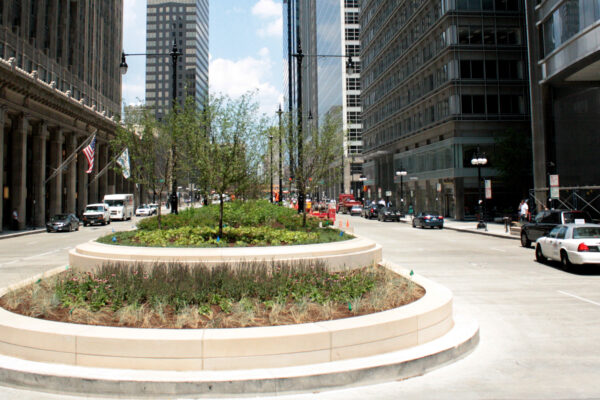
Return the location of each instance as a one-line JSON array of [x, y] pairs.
[[251, 223]]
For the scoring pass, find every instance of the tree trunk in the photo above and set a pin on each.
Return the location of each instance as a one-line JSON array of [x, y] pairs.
[[220, 215]]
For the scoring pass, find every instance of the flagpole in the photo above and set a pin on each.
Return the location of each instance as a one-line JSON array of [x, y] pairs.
[[70, 158], [99, 174]]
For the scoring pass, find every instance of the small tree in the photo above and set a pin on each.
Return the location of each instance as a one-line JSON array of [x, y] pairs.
[[228, 151], [149, 149], [320, 151]]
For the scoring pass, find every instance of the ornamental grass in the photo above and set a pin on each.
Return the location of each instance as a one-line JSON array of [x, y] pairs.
[[177, 296]]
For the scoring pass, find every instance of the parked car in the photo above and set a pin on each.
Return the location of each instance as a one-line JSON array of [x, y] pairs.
[[389, 214], [546, 220], [570, 244], [154, 208], [63, 222], [371, 210], [98, 213], [428, 219], [143, 211], [356, 210]]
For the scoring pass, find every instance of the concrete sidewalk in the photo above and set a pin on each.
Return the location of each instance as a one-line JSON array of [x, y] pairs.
[[492, 228], [28, 231]]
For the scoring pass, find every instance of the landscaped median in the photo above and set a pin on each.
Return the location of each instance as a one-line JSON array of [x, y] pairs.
[[347, 254], [224, 349]]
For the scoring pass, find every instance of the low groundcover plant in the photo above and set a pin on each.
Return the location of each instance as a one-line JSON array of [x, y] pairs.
[[250, 223]]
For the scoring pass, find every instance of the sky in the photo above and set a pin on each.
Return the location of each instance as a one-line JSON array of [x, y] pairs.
[[245, 46]]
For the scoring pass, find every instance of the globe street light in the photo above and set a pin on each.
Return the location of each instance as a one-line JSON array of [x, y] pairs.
[[479, 159], [175, 54], [401, 173]]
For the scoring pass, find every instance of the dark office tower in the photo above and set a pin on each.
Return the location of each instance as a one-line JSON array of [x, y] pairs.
[[75, 44], [440, 79], [564, 51], [184, 22]]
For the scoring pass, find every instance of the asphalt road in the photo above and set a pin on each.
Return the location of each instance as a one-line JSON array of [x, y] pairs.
[[539, 325]]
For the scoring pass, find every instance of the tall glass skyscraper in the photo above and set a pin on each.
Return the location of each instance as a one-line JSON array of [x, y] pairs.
[[185, 23], [328, 32]]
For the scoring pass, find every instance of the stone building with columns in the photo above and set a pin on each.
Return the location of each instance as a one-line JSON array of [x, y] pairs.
[[59, 83]]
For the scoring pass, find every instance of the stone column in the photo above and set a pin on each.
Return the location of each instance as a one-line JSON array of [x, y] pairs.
[[118, 183], [82, 182], [55, 184], [110, 175], [18, 189], [459, 198], [103, 161], [40, 135], [93, 186], [2, 121], [71, 176]]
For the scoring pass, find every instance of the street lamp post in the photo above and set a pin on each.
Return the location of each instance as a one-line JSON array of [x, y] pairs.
[[271, 164], [279, 112], [401, 173], [175, 54], [299, 172], [479, 159], [362, 179]]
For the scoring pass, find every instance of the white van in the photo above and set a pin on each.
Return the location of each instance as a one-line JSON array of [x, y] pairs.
[[98, 213], [121, 206]]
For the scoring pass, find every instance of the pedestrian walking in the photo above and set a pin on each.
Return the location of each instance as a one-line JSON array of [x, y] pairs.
[[15, 220], [523, 211]]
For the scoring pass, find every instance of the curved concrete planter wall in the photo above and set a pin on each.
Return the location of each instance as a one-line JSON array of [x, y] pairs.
[[225, 349], [348, 254]]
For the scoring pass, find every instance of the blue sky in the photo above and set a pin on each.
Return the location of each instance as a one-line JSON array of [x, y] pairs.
[[245, 50]]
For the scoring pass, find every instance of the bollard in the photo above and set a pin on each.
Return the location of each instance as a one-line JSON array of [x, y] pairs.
[[506, 224]]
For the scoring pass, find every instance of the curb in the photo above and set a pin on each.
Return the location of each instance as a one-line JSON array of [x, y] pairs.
[[21, 233], [481, 233], [404, 364]]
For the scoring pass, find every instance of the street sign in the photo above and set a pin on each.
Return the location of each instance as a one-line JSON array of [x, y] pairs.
[[439, 187], [554, 184], [488, 189], [388, 193]]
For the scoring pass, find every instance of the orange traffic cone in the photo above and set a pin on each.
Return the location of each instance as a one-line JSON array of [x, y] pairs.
[[340, 223], [347, 224]]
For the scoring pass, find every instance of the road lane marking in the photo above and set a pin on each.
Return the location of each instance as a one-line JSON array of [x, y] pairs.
[[579, 298], [40, 255], [493, 248]]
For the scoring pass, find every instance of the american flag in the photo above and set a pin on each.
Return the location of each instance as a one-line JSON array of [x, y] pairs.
[[89, 152]]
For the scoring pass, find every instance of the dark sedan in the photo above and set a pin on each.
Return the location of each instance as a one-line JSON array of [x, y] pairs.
[[371, 210], [63, 222], [428, 219], [546, 220], [389, 214]]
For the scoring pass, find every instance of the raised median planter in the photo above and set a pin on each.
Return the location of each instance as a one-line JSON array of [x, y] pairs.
[[347, 254], [226, 349]]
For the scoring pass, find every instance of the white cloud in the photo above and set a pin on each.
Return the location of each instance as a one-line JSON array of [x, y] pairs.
[[270, 12], [134, 25], [234, 78], [267, 9]]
